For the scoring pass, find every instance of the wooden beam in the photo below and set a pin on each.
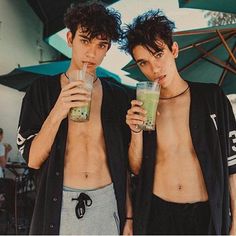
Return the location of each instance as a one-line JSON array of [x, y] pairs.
[[218, 61], [226, 46], [206, 41], [222, 78]]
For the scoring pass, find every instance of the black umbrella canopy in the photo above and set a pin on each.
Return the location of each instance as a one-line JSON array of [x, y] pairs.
[[51, 12]]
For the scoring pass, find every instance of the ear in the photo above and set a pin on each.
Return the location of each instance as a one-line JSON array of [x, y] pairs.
[[69, 39], [175, 49]]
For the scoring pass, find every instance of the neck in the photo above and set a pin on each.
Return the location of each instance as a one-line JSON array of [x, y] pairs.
[[176, 87]]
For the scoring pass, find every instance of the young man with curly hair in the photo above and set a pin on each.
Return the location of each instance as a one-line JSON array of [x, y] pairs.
[[81, 166], [186, 167]]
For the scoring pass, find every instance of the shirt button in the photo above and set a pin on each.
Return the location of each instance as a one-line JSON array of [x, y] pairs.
[[57, 173], [51, 226], [54, 199]]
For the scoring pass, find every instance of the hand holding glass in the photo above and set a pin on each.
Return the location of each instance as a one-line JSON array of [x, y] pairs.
[[81, 114]]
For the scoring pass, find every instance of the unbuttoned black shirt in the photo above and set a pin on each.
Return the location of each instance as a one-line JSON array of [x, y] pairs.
[[36, 106], [213, 133]]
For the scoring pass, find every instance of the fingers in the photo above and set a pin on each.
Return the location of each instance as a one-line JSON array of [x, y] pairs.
[[136, 115], [75, 90], [77, 83], [76, 97]]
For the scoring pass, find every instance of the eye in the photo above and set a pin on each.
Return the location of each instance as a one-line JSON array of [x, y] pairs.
[[158, 54], [84, 41], [142, 63], [102, 46]]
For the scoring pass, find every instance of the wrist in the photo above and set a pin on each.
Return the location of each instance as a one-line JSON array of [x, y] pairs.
[[129, 218]]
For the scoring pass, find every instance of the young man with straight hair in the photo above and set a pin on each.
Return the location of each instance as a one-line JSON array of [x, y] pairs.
[[81, 166], [186, 167]]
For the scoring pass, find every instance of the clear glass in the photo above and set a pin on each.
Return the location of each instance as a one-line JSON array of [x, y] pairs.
[[148, 92], [81, 114]]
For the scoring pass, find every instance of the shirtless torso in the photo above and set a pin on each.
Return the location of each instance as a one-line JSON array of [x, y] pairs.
[[178, 176], [85, 158]]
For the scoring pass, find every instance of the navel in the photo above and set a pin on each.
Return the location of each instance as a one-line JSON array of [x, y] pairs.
[[180, 187]]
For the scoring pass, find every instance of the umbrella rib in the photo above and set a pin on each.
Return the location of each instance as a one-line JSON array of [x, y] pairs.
[[202, 56], [216, 60], [205, 41], [197, 32], [222, 78], [226, 46]]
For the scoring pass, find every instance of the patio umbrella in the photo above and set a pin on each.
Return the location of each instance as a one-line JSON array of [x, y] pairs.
[[206, 55], [51, 12], [21, 78], [228, 6]]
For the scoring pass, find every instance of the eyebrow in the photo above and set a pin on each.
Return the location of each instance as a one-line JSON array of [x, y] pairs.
[[139, 60], [88, 38]]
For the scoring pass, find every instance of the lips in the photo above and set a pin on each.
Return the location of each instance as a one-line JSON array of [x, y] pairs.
[[160, 78], [89, 63]]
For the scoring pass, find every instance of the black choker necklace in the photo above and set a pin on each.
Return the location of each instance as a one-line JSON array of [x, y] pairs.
[[176, 95], [69, 78]]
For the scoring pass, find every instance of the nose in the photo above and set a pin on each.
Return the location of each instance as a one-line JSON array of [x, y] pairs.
[[155, 67], [91, 52]]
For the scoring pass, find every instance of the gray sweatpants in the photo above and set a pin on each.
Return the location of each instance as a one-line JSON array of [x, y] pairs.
[[99, 218]]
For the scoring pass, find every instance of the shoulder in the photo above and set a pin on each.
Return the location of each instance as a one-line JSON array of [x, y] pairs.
[[206, 89], [41, 86], [44, 82]]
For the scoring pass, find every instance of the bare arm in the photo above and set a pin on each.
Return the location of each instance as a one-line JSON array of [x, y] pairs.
[[232, 187], [128, 228], [135, 116], [135, 152], [71, 96]]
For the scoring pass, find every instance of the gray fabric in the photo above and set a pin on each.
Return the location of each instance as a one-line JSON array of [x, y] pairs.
[[99, 218]]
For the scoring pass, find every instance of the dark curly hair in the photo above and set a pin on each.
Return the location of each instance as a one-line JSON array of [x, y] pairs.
[[145, 30], [95, 20]]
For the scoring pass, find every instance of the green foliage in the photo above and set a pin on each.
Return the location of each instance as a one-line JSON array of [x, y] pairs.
[[220, 18]]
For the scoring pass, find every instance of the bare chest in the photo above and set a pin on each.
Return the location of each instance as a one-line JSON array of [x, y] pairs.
[[173, 122]]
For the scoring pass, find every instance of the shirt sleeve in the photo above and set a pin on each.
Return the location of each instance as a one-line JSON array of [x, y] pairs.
[[230, 125], [30, 121]]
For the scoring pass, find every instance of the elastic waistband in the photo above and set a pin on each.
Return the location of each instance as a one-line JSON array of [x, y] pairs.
[[97, 195], [178, 206]]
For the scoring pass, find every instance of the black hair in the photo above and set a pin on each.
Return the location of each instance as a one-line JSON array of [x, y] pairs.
[[150, 30], [1, 131], [95, 20]]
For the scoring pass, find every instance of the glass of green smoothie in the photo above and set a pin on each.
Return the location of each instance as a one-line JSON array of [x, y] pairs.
[[81, 114], [148, 93]]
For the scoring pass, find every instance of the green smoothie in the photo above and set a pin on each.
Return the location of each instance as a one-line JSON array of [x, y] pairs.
[[150, 101], [80, 113]]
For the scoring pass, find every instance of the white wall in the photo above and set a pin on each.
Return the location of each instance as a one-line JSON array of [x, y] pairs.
[[20, 44]]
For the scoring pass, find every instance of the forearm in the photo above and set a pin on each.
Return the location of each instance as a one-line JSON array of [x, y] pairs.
[[135, 152], [42, 143], [232, 187], [129, 211]]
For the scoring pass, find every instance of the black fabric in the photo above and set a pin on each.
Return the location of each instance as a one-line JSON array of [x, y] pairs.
[[168, 218], [213, 133], [37, 104]]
